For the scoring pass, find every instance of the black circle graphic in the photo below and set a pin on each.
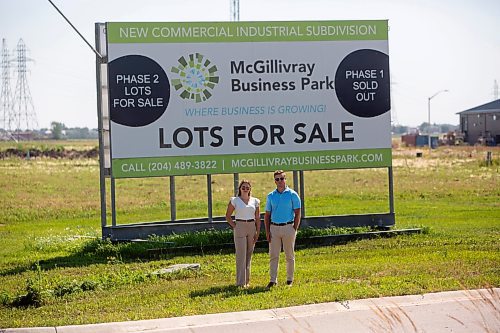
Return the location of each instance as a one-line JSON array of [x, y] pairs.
[[362, 83], [139, 90]]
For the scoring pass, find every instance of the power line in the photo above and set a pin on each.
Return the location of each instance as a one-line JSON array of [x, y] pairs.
[[76, 30]]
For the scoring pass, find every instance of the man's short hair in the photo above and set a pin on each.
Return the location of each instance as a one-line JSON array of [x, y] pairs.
[[279, 172]]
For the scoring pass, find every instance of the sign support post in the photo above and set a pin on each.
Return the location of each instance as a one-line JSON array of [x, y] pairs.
[[100, 61]]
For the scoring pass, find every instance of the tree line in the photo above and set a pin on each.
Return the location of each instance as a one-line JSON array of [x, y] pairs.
[[60, 131], [424, 128]]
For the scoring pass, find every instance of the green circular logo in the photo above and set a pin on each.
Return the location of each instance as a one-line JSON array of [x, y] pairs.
[[196, 77]]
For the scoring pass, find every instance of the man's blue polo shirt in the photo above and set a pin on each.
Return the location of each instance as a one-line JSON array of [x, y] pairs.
[[281, 205]]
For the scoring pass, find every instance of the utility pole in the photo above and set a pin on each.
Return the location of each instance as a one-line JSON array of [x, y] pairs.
[[429, 116], [235, 17], [235, 10]]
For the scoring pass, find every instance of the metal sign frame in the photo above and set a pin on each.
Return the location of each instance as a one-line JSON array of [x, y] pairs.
[[114, 231]]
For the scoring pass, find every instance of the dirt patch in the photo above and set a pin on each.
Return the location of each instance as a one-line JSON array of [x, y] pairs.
[[50, 153], [422, 163], [444, 156]]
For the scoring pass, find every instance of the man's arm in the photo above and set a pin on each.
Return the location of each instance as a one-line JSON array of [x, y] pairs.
[[296, 219], [296, 210], [267, 225]]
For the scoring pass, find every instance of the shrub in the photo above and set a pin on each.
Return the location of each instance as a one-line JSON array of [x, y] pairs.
[[35, 295]]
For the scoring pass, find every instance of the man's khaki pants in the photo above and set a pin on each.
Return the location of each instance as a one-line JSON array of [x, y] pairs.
[[282, 235], [243, 242]]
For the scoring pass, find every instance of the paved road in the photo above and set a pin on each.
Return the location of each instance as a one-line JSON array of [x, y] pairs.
[[454, 311]]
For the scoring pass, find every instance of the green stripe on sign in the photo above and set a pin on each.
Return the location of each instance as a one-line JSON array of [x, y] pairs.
[[231, 32], [244, 163]]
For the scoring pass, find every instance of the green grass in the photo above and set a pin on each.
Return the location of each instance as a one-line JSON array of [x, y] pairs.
[[51, 255]]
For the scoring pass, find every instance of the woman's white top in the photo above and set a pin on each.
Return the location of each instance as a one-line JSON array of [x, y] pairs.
[[243, 211]]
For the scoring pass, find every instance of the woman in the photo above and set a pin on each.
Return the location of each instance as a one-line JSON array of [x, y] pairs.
[[246, 226]]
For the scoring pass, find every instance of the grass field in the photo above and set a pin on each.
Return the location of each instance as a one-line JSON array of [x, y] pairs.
[[54, 270]]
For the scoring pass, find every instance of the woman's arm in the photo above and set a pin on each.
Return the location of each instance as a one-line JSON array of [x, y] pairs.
[[229, 212]]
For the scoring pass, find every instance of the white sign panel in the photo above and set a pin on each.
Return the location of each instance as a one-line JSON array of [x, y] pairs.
[[225, 97]]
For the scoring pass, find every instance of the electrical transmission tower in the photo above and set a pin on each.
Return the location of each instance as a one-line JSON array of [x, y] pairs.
[[235, 10], [22, 103], [5, 94]]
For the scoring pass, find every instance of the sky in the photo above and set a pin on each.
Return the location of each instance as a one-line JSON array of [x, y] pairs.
[[434, 45]]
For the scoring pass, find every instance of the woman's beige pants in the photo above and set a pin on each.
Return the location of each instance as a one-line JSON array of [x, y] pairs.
[[243, 242]]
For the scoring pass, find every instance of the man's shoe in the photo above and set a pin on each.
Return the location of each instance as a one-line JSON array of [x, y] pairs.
[[289, 283], [270, 285]]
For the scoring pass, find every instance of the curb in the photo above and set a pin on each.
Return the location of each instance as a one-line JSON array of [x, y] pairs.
[[452, 311]]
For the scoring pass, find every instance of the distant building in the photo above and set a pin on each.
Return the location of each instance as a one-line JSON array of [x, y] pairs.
[[481, 124], [418, 140]]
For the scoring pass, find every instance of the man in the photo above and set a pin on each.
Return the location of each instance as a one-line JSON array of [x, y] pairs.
[[282, 220]]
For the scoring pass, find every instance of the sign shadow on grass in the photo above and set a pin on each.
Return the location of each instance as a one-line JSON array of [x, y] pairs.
[[105, 252], [228, 291]]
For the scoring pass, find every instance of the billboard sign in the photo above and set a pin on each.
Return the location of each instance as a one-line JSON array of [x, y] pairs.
[[227, 97]]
